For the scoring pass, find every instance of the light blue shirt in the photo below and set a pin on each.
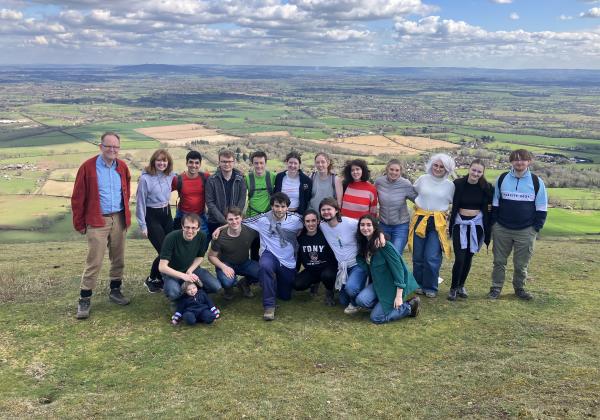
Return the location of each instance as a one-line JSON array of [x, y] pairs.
[[109, 186]]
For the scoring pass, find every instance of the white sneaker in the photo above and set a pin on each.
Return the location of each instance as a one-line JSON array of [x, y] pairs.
[[351, 309], [440, 280]]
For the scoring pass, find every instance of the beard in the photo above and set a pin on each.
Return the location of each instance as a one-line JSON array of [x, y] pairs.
[[327, 219]]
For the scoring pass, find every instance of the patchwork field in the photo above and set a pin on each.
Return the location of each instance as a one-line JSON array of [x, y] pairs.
[[184, 134], [378, 144]]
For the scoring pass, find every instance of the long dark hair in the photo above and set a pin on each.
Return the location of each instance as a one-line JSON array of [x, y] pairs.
[[367, 246], [362, 164], [483, 183], [306, 213]]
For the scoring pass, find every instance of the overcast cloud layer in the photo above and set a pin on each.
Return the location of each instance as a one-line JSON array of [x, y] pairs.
[[296, 32]]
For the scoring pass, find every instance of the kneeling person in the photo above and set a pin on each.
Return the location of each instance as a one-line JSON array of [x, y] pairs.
[[180, 258], [230, 252], [316, 256]]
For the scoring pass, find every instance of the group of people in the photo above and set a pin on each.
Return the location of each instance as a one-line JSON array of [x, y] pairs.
[[292, 231]]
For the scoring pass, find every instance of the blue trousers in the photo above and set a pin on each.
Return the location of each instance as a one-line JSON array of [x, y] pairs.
[[248, 268], [276, 279], [357, 278], [427, 258], [398, 235], [368, 299]]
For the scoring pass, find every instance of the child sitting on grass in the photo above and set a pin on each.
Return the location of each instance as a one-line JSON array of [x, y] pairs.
[[194, 306]]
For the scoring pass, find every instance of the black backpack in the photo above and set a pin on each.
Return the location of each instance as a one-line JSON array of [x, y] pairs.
[[252, 186], [314, 175]]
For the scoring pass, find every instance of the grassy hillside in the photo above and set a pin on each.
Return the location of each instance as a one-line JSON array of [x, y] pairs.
[[471, 358]]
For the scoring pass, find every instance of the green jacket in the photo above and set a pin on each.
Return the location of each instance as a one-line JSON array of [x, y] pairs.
[[389, 272]]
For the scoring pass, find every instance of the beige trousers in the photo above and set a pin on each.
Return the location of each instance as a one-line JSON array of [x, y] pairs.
[[111, 236]]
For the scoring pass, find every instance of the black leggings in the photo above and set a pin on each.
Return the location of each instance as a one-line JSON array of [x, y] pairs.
[[308, 277], [462, 257], [159, 223]]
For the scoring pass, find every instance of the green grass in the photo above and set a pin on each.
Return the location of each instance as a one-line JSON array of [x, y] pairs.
[[563, 222], [26, 211], [473, 359], [19, 182], [578, 198]]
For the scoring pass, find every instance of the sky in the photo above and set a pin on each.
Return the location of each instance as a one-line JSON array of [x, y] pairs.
[[508, 34]]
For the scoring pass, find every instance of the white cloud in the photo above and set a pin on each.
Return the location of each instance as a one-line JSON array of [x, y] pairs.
[[514, 16], [565, 17], [594, 12], [8, 14], [40, 40], [502, 1]]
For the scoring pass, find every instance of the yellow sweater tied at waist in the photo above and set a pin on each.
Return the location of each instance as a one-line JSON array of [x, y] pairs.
[[441, 224]]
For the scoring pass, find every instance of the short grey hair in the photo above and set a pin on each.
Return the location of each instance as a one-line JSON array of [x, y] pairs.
[[446, 160]]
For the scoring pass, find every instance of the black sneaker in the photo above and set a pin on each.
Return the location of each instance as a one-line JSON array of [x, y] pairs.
[[415, 306], [452, 294], [83, 308], [462, 292], [523, 294], [244, 287], [228, 293], [117, 297], [329, 298], [494, 293], [153, 285]]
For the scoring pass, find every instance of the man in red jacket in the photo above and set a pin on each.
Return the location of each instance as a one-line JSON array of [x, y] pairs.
[[100, 207]]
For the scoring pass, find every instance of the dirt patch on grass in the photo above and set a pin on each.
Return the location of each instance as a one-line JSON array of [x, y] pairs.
[[422, 143], [271, 134], [183, 134]]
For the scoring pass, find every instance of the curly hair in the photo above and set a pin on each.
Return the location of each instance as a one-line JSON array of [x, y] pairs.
[[362, 164]]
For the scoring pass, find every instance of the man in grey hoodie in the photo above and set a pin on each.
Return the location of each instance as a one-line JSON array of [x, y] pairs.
[[226, 188]]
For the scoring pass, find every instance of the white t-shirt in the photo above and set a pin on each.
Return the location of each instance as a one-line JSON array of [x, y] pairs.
[[434, 194], [342, 239], [291, 187], [270, 241]]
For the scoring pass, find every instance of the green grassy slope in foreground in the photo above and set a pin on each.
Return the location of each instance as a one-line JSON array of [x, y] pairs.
[[471, 358]]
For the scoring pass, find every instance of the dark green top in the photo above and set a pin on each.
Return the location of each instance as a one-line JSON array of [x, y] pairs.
[[389, 272], [234, 250], [181, 253]]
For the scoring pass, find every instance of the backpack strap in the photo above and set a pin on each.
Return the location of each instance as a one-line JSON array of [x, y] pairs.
[[333, 186], [534, 178], [269, 183], [252, 185]]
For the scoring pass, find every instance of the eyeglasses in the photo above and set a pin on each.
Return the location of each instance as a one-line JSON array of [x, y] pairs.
[[191, 227], [227, 161], [111, 147]]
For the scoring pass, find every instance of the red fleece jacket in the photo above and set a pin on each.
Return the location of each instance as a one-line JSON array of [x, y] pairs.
[[85, 200]]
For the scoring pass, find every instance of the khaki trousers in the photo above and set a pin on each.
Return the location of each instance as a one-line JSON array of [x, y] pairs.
[[111, 236], [522, 241]]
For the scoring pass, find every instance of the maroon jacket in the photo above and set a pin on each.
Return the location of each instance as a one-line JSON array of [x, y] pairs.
[[85, 200]]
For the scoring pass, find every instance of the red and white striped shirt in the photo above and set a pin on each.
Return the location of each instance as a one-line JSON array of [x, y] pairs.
[[360, 198]]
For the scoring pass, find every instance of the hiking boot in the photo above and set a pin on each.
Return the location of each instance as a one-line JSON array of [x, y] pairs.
[[269, 314], [419, 291], [314, 289], [153, 285], [83, 308], [415, 306], [351, 309], [228, 293], [523, 294], [329, 298], [430, 294], [494, 293], [452, 294], [117, 297], [462, 292], [244, 286]]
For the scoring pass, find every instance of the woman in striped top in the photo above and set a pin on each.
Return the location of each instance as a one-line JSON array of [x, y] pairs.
[[360, 196]]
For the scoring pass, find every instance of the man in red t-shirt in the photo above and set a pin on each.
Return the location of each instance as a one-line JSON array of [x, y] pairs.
[[190, 186]]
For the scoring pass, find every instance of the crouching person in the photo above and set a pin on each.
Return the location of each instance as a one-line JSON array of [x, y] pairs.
[[195, 306], [392, 281], [180, 258]]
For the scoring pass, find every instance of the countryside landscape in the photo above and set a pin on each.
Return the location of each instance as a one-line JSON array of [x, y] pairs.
[[472, 359]]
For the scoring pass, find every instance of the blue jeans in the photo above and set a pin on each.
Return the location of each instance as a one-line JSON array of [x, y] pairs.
[[172, 285], [276, 279], [427, 258], [248, 268], [368, 299], [357, 277], [398, 235]]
